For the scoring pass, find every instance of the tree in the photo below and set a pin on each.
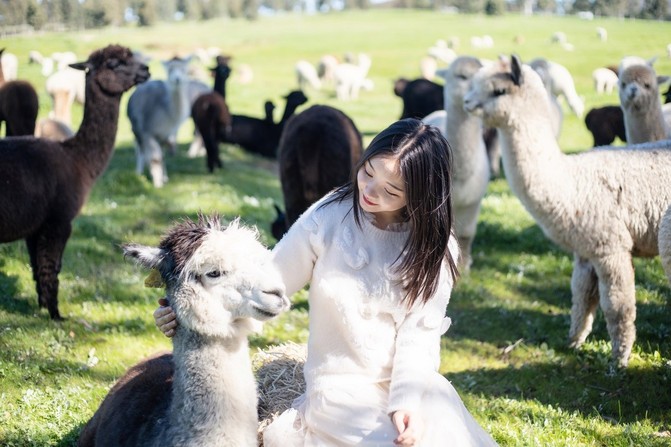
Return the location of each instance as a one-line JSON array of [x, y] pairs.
[[654, 9], [494, 7]]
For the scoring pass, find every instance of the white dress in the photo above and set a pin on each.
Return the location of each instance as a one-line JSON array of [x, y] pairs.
[[368, 355]]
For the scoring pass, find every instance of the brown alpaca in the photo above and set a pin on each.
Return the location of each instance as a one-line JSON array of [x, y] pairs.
[[210, 113], [18, 106], [55, 177], [318, 151]]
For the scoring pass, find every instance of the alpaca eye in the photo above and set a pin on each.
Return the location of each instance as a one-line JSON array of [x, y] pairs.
[[499, 92], [113, 63], [213, 274]]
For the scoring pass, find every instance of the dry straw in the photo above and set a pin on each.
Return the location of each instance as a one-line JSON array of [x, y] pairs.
[[279, 377]]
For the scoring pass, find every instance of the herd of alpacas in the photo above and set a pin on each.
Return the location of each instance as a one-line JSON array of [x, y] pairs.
[[605, 205]]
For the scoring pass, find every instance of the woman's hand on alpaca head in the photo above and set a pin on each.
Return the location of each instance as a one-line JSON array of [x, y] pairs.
[[165, 318], [409, 426]]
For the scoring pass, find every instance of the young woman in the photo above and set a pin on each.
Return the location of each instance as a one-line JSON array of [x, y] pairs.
[[380, 259]]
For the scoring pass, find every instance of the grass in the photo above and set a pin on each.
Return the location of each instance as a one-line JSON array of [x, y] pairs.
[[506, 352]]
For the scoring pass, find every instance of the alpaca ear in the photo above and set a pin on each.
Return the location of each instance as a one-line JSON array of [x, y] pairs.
[[661, 80], [150, 257], [84, 66], [516, 69]]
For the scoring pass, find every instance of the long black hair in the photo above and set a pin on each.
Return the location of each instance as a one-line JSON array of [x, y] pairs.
[[425, 162]]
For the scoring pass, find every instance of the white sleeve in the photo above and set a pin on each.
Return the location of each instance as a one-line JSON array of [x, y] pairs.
[[418, 348], [296, 253]]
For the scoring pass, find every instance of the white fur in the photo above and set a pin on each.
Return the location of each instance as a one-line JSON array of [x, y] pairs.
[[350, 78], [605, 80], [471, 166], [156, 110]]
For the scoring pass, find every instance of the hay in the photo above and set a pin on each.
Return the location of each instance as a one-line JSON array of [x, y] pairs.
[[279, 378]]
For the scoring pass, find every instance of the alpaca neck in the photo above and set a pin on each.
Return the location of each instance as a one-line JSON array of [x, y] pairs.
[[214, 391], [537, 170], [93, 143], [648, 126], [220, 86], [464, 132], [180, 102], [289, 110]]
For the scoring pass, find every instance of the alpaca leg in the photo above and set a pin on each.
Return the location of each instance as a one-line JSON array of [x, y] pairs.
[[585, 291], [48, 247], [618, 302], [664, 241], [153, 154], [197, 147], [465, 226], [139, 157]]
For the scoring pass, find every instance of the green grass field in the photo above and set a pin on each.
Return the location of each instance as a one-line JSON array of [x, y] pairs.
[[506, 352]]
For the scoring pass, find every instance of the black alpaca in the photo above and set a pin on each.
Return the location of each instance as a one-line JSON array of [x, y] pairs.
[[46, 182]]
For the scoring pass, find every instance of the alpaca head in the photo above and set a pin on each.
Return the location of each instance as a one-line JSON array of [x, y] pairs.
[[217, 278], [639, 89], [222, 70], [114, 69], [296, 98], [458, 78], [500, 90], [177, 70]]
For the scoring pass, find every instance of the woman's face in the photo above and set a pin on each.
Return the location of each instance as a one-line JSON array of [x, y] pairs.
[[382, 190]]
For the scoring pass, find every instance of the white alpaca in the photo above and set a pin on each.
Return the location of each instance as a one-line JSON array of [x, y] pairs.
[[10, 66], [471, 172], [641, 104], [601, 33], [442, 53], [561, 84], [428, 67], [350, 78], [603, 205], [156, 110], [326, 68], [605, 80], [218, 280], [65, 87], [306, 75]]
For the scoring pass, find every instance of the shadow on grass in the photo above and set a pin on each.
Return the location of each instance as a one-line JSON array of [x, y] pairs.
[[579, 382], [9, 302]]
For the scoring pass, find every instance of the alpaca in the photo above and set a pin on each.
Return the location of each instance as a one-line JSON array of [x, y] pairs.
[[211, 116], [641, 104], [65, 86], [560, 83], [603, 205], [10, 66], [326, 68], [218, 280], [471, 171], [420, 97], [351, 78], [605, 80], [606, 123], [317, 152], [156, 110], [306, 75], [261, 136], [53, 130], [18, 105], [56, 177]]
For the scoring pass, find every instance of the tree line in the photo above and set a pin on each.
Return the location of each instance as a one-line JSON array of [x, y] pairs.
[[85, 14]]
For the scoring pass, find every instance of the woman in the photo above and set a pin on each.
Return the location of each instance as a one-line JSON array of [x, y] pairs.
[[380, 259]]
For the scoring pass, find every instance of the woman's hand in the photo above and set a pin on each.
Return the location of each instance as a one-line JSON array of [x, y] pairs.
[[165, 318], [409, 426]]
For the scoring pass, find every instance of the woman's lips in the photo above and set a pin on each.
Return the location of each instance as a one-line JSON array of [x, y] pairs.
[[368, 202]]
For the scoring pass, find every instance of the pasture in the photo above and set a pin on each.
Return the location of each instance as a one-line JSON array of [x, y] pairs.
[[506, 352]]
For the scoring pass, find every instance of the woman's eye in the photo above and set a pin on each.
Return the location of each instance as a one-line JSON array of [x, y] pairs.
[[391, 193], [367, 173], [213, 274]]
